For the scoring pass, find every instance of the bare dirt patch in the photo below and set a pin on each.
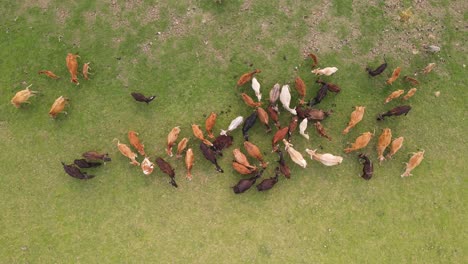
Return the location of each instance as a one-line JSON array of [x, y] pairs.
[[61, 15], [90, 17], [152, 14]]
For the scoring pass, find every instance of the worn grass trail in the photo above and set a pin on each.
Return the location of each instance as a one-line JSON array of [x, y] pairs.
[[322, 214]]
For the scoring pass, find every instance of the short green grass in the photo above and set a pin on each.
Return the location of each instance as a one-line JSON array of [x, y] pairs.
[[321, 215]]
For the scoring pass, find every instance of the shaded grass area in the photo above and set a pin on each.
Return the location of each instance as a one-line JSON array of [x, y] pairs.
[[320, 215]]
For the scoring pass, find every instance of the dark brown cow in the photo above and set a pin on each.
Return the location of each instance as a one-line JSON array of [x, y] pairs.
[[267, 184], [210, 155], [248, 124], [368, 169], [82, 163], [167, 169], [379, 69], [399, 110], [93, 155], [141, 98], [75, 172], [284, 168], [245, 184]]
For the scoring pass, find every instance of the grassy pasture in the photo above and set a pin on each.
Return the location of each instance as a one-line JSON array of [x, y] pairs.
[[321, 215]]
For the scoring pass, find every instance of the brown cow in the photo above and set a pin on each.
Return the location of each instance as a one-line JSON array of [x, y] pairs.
[[49, 74], [72, 66], [209, 124], [246, 77], [394, 76], [135, 142]]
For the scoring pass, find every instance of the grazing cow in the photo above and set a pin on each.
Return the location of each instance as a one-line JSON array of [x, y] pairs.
[[82, 163], [248, 124], [75, 172], [189, 158], [411, 80], [22, 97], [86, 69], [384, 140], [49, 74], [171, 139], [394, 95], [180, 147], [93, 155], [221, 142], [72, 66], [303, 127], [58, 106], [256, 88], [414, 161], [326, 159], [210, 155], [399, 110], [394, 76], [167, 169], [147, 166], [321, 93], [312, 114], [263, 117], [295, 155], [321, 130], [255, 152], [431, 48], [314, 58], [285, 98], [249, 101], [245, 184], [395, 146], [242, 169], [410, 94], [273, 112], [233, 125], [127, 152], [141, 98], [135, 142], [284, 168], [360, 142], [325, 71], [368, 169], [292, 125], [275, 93], [379, 69], [240, 158], [301, 89], [209, 124], [279, 136], [267, 184], [330, 86], [198, 133], [246, 77], [429, 68]]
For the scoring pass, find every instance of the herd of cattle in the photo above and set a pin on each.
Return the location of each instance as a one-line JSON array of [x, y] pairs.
[[212, 149]]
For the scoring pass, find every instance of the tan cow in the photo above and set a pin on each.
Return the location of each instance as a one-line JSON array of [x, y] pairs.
[[22, 97], [356, 117], [58, 106], [127, 152], [360, 142], [384, 140]]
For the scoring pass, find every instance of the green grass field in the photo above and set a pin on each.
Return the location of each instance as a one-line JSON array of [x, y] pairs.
[[321, 215]]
